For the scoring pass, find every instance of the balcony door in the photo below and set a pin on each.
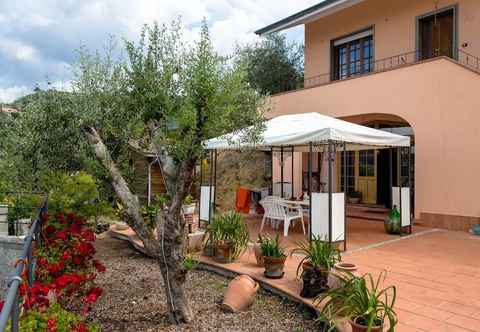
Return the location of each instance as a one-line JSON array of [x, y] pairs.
[[352, 55], [437, 34]]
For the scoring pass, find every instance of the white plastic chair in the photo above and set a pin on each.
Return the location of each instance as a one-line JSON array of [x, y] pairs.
[[277, 210]]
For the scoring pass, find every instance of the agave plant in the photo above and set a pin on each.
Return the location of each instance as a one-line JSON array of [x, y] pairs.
[[318, 252], [229, 228], [361, 300]]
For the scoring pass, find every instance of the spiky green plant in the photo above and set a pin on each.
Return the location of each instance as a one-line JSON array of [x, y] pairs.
[[360, 299], [318, 252], [229, 228], [271, 247]]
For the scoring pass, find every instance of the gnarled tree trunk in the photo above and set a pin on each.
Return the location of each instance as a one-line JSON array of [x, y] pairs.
[[170, 232], [167, 248]]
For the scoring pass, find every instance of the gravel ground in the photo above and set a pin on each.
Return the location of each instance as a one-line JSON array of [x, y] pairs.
[[133, 299]]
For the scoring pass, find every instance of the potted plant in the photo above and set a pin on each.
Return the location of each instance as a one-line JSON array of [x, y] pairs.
[[320, 258], [476, 229], [189, 205], [229, 236], [273, 257], [362, 302], [354, 197]]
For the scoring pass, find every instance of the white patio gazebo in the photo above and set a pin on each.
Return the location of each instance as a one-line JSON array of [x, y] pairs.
[[304, 133]]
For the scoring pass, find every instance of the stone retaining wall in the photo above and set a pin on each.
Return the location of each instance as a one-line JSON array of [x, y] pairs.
[[10, 250]]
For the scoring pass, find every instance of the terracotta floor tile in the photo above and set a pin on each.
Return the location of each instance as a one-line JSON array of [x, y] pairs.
[[465, 322]]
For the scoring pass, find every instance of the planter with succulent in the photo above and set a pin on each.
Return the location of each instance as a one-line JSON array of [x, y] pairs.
[[273, 257], [320, 258], [228, 236], [362, 302], [189, 205], [354, 197]]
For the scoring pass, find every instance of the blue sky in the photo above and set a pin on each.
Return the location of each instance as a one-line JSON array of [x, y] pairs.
[[38, 38]]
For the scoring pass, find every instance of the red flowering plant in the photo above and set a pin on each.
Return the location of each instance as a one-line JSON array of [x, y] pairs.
[[65, 263], [65, 275]]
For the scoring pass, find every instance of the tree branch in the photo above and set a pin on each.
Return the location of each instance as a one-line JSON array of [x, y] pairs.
[[129, 200]]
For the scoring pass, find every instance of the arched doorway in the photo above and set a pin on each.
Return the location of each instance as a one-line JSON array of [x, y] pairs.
[[369, 171]]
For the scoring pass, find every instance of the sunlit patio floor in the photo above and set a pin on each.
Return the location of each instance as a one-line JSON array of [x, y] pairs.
[[436, 273], [360, 232]]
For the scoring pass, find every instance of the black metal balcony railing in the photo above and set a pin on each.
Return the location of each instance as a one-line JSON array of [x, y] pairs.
[[9, 316], [375, 66]]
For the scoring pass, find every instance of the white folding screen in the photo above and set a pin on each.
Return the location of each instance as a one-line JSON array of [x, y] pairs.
[[405, 206], [205, 202], [320, 216]]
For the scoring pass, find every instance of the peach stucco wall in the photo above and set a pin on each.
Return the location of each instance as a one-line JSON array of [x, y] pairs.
[[394, 23], [440, 100], [287, 171]]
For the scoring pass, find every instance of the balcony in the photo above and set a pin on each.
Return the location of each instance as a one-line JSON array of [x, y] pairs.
[[397, 61]]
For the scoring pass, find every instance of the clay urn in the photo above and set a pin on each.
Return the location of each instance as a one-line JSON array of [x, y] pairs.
[[342, 269], [240, 293]]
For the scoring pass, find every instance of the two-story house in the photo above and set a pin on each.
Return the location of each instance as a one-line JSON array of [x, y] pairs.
[[409, 66]]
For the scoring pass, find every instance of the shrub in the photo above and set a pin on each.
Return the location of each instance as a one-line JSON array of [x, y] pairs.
[[54, 318], [75, 193]]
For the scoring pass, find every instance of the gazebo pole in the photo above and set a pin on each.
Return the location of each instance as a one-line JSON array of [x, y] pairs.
[[292, 172], [319, 169], [215, 182], [310, 190], [345, 196], [200, 189], [281, 171], [390, 177], [271, 171], [330, 189], [410, 187], [210, 186]]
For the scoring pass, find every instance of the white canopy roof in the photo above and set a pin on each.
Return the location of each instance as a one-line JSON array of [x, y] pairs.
[[299, 130]]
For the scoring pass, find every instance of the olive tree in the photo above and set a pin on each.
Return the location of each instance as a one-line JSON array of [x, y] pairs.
[[272, 63], [170, 96]]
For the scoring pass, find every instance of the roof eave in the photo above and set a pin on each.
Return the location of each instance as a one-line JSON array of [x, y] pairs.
[[322, 9]]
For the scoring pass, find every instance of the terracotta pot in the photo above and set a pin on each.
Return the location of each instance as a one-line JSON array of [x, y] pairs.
[[121, 226], [274, 267], [258, 254], [240, 293], [361, 328], [223, 252], [341, 269]]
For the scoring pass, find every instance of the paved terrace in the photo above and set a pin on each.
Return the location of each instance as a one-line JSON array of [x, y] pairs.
[[436, 273]]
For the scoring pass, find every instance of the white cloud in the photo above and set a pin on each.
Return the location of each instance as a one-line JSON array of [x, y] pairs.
[[38, 38], [7, 95], [17, 49]]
